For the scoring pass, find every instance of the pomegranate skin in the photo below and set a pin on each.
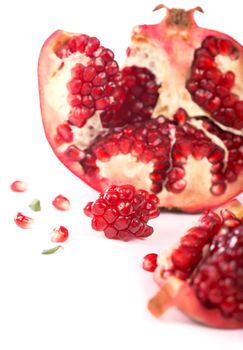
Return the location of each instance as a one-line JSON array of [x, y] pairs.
[[180, 287], [206, 183]]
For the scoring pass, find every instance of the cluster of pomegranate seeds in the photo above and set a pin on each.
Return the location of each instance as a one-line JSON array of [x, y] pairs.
[[211, 88], [23, 221], [151, 142], [61, 203], [59, 234], [95, 83], [122, 212], [19, 186], [141, 94], [219, 281], [234, 144], [150, 262], [190, 249]]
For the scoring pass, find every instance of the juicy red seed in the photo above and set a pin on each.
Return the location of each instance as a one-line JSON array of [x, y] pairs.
[[118, 213], [23, 221], [61, 203], [59, 234], [228, 80], [74, 153], [64, 131], [79, 116], [150, 262], [89, 73], [218, 189], [92, 45], [74, 86], [219, 278], [180, 116], [19, 186]]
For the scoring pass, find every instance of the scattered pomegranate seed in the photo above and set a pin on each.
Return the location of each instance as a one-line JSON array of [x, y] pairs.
[[150, 262], [61, 203], [19, 186], [59, 234], [23, 221]]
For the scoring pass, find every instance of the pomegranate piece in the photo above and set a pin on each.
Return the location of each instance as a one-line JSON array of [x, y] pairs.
[[202, 276], [122, 212], [61, 203], [23, 221], [59, 234], [19, 186], [150, 262], [170, 121]]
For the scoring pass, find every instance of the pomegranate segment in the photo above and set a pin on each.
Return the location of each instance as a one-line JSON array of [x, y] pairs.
[[170, 121], [122, 212], [203, 274]]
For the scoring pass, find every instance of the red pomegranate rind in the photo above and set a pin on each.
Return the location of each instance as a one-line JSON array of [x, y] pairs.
[[19, 186], [203, 275], [122, 212]]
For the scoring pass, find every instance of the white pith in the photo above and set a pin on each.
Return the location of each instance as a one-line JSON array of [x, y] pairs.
[[170, 99], [226, 64], [56, 93], [126, 169]]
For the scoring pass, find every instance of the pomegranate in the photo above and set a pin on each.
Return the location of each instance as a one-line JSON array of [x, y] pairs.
[[19, 186], [122, 212], [170, 121], [61, 203], [203, 275], [23, 221]]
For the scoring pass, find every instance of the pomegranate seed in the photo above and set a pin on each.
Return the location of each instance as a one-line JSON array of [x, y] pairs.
[[61, 203], [150, 262], [59, 234], [23, 221], [19, 186]]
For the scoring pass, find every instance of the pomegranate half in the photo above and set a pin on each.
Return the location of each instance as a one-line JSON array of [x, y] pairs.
[[203, 275], [170, 121]]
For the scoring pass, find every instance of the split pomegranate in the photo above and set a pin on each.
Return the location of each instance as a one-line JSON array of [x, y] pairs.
[[170, 121], [122, 212], [203, 275]]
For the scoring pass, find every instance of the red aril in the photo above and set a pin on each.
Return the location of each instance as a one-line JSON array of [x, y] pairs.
[[170, 121], [61, 203], [150, 262], [59, 234], [23, 221], [203, 275], [19, 186]]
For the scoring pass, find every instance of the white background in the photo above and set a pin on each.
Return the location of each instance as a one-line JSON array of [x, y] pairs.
[[93, 294]]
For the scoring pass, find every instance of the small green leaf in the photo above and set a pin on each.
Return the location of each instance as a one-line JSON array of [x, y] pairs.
[[35, 205], [52, 250]]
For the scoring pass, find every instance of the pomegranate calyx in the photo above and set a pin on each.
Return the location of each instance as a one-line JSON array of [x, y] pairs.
[[179, 17]]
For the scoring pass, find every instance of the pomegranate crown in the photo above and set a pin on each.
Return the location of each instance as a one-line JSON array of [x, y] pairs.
[[179, 17]]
